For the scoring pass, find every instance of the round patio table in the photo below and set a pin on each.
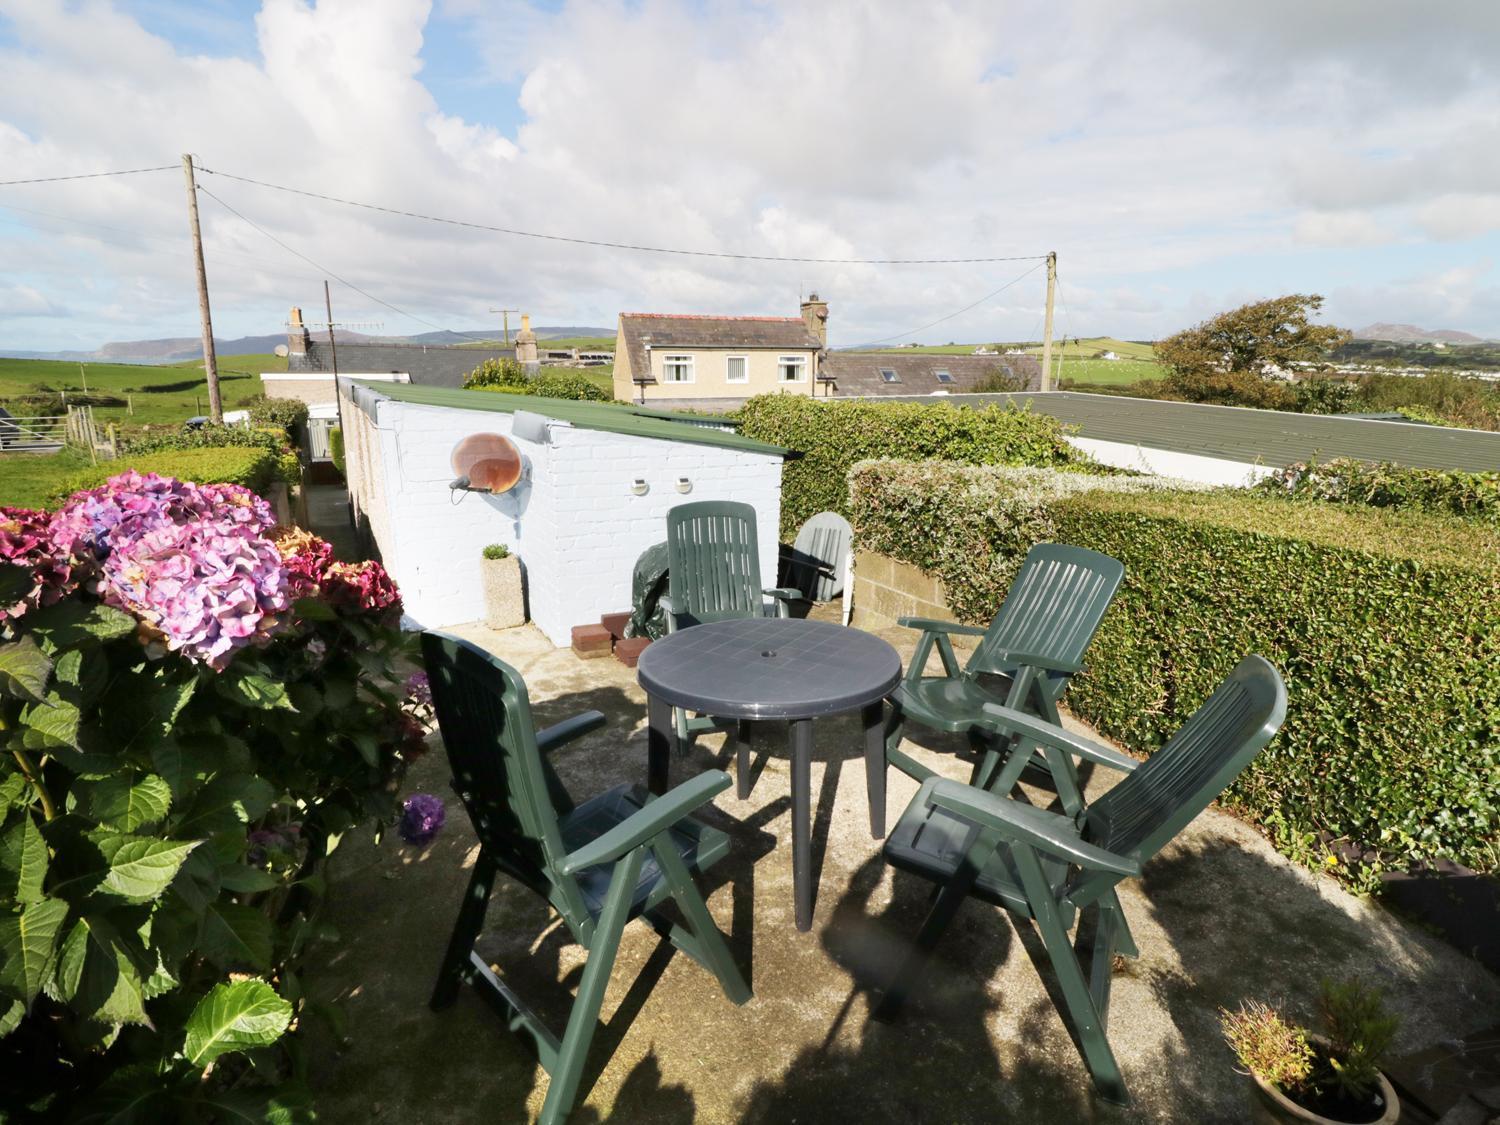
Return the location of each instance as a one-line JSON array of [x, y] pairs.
[[760, 668]]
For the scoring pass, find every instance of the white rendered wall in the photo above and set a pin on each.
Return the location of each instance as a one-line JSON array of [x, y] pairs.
[[581, 528], [1167, 463]]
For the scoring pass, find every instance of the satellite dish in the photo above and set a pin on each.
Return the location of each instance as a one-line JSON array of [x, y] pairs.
[[281, 350], [488, 462]]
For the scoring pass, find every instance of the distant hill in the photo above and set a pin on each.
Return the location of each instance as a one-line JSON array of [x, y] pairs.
[[176, 349], [1411, 334]]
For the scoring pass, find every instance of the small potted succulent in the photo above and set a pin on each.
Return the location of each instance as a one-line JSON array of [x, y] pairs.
[[1331, 1079], [500, 576]]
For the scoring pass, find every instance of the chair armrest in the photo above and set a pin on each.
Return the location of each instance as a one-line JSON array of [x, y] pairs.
[[1046, 831], [929, 625], [646, 823], [560, 734], [1005, 720], [783, 593]]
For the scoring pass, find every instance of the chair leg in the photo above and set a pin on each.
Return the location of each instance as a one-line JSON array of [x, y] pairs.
[[465, 932], [711, 946], [583, 1020], [1082, 1015], [989, 753]]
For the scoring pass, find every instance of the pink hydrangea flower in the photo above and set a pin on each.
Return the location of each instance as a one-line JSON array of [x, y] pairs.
[[363, 586], [25, 542]]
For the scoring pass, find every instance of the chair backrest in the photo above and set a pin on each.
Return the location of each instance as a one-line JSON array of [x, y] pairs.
[[819, 556], [510, 791], [1158, 799], [1053, 607], [714, 560]]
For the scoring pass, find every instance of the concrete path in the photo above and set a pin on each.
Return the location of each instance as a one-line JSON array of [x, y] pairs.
[[1219, 917]]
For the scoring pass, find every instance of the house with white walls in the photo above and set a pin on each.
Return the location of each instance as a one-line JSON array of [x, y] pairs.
[[597, 482]]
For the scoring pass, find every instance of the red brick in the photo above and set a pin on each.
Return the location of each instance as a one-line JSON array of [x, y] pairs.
[[615, 623], [629, 650], [590, 641]]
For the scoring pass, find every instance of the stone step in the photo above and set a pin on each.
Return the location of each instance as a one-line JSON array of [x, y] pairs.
[[628, 651], [591, 641]]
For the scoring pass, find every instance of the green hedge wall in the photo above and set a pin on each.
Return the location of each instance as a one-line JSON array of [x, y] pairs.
[[1384, 485], [255, 467], [1385, 624], [834, 434]]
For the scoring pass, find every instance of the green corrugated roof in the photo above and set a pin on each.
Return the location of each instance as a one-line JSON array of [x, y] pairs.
[[609, 417], [1267, 437]]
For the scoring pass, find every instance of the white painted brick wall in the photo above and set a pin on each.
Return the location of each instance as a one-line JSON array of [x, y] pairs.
[[581, 529]]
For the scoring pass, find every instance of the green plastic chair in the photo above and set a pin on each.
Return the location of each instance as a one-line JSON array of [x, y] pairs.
[[713, 559], [615, 857], [1034, 646], [1050, 868]]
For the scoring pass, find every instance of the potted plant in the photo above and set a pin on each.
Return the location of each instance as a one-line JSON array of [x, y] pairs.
[[1334, 1078], [500, 576]]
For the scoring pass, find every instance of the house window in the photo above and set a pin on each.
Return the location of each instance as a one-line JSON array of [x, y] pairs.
[[792, 368], [943, 376], [888, 375], [736, 369], [676, 369]]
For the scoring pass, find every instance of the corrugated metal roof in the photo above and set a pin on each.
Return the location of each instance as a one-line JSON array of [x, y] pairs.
[[660, 424], [1267, 437]]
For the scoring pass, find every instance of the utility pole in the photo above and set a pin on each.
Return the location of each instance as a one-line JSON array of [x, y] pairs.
[[1047, 332], [210, 362], [506, 313], [333, 348]]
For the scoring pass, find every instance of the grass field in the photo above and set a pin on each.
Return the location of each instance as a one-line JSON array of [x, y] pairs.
[[1090, 347], [1077, 359], [1113, 371], [582, 343], [157, 396], [29, 480]]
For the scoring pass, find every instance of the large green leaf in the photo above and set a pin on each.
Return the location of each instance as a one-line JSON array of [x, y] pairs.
[[236, 936], [97, 975], [289, 1103], [28, 943], [251, 689], [11, 1012], [226, 802], [124, 802], [235, 1017], [73, 622], [140, 867], [133, 1095], [241, 879], [84, 669], [24, 669], [23, 859], [50, 724]]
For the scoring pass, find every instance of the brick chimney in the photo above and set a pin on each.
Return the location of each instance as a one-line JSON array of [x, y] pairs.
[[296, 333], [815, 314], [526, 346]]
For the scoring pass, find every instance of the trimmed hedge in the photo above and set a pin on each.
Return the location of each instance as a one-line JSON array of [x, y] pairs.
[[272, 438], [834, 434], [509, 377], [255, 467], [288, 414], [1344, 481], [1385, 625], [336, 449]]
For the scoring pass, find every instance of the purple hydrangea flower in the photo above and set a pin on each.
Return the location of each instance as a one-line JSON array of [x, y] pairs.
[[419, 688], [422, 817]]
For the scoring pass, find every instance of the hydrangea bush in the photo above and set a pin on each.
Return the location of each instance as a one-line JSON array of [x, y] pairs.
[[196, 706]]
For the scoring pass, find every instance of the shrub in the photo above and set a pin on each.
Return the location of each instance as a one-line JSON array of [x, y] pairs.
[[1383, 485], [286, 414], [336, 449], [832, 435], [273, 438], [254, 467], [196, 711], [495, 373], [1320, 394], [1385, 625], [1457, 399], [497, 551], [1267, 1046], [510, 377]]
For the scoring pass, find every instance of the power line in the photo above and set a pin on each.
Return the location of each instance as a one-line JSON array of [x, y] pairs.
[[90, 175], [950, 316], [626, 245]]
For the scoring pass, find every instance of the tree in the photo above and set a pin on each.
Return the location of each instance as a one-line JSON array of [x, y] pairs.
[[1229, 358]]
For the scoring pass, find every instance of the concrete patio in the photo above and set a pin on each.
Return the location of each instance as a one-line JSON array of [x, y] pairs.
[[1219, 916]]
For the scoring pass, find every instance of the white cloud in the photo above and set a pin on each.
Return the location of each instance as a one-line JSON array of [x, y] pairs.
[[1137, 141]]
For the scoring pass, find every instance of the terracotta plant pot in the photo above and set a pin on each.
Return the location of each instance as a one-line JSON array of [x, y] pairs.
[[1269, 1106], [504, 603]]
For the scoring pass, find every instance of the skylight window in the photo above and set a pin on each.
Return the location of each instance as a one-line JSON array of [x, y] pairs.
[[943, 376], [888, 375]]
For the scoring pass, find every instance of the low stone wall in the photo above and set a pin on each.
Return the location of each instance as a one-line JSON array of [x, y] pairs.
[[885, 589]]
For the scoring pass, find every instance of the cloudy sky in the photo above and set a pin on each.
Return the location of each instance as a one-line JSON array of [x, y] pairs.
[[1181, 157]]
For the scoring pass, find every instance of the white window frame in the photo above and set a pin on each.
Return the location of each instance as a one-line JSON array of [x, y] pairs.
[[675, 359], [895, 376], [745, 373], [797, 361], [943, 375]]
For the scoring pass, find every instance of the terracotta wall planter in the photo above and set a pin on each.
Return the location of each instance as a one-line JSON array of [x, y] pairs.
[[504, 602]]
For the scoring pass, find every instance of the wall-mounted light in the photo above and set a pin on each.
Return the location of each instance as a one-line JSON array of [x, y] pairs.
[[639, 487], [684, 485]]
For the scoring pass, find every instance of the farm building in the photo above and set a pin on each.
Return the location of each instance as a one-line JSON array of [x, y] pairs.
[[596, 486]]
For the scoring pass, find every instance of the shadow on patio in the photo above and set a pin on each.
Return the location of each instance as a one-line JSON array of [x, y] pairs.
[[1219, 916]]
